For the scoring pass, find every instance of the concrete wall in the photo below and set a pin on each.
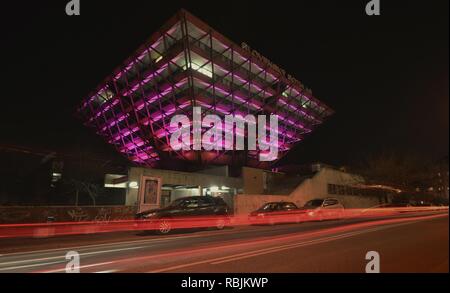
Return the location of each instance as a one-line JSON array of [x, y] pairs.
[[216, 171], [315, 187], [356, 201], [253, 180]]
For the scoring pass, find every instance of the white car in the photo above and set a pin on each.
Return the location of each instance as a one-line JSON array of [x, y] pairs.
[[324, 209]]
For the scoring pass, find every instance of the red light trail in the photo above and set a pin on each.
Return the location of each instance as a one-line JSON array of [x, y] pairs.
[[42, 230]]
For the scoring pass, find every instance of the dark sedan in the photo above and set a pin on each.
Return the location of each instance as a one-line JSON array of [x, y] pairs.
[[277, 212], [187, 212]]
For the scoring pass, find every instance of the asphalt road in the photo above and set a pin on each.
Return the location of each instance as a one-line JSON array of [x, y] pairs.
[[405, 243]]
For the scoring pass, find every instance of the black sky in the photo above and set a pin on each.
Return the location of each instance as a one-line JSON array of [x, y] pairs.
[[385, 76]]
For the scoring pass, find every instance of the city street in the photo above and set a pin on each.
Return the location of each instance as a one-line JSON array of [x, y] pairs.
[[225, 146], [405, 243]]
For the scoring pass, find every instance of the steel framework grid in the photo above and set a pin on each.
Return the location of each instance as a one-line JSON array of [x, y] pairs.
[[186, 64]]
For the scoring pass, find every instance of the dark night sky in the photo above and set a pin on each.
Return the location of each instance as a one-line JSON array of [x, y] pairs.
[[386, 76]]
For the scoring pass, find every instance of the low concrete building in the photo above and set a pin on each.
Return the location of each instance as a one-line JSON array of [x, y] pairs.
[[153, 188], [148, 188], [320, 181]]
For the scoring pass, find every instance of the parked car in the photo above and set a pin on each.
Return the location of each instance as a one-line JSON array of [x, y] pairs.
[[276, 212], [324, 209], [187, 212]]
